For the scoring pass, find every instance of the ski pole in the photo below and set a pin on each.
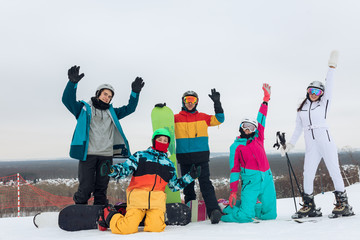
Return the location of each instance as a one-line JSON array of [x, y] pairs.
[[292, 186], [292, 170], [281, 137]]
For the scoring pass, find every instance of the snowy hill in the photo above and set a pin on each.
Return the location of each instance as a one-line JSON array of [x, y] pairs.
[[281, 228]]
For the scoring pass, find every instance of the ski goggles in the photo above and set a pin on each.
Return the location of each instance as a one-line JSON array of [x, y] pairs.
[[316, 91], [190, 99], [249, 126]]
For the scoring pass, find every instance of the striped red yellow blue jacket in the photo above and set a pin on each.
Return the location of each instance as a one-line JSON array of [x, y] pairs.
[[191, 132]]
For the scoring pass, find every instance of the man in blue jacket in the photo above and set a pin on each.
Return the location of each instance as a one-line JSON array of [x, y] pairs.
[[98, 135]]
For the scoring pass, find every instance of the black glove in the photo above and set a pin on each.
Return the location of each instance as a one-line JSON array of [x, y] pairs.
[[73, 74], [215, 96], [137, 85], [195, 171], [160, 105]]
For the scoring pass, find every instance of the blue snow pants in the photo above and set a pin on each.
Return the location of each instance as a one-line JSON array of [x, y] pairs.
[[256, 185]]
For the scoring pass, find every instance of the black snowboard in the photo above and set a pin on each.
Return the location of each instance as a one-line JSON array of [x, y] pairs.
[[79, 217], [176, 213], [84, 217]]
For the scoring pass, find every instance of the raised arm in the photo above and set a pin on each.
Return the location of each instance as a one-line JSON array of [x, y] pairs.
[[125, 110], [261, 118], [69, 94], [219, 112], [329, 81]]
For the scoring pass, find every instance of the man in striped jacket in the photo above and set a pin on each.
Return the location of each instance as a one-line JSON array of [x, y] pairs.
[[192, 147]]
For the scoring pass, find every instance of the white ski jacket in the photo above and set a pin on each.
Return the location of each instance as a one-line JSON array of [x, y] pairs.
[[313, 114]]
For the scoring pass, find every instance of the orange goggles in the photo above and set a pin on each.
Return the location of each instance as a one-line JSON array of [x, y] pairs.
[[190, 99]]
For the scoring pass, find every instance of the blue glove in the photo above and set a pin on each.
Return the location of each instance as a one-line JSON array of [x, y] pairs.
[[115, 171]]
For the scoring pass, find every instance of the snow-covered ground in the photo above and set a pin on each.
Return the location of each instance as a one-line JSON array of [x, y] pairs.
[[281, 228]]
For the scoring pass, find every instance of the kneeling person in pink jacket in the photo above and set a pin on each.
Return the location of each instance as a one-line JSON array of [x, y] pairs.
[[248, 160]]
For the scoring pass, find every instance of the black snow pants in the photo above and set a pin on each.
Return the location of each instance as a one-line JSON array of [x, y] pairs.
[[206, 187], [93, 178]]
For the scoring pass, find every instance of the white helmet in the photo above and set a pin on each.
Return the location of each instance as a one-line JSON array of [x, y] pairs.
[[317, 84], [249, 120], [104, 86]]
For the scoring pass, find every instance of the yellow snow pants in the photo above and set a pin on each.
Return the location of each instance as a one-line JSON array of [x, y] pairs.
[[154, 221]]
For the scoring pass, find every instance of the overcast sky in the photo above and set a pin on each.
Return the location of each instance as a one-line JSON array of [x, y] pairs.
[[233, 46]]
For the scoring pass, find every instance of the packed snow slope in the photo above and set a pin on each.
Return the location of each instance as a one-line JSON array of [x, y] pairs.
[[281, 228]]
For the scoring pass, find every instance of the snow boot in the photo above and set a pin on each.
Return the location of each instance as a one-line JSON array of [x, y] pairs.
[[308, 208], [105, 216], [215, 216], [342, 207]]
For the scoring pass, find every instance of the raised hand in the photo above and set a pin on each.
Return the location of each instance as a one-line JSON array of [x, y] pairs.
[[137, 84], [215, 96], [73, 74], [267, 92], [333, 60]]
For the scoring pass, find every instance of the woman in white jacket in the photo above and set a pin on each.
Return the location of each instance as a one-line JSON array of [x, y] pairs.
[[311, 119]]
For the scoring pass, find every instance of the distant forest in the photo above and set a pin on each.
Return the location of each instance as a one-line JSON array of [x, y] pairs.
[[219, 166]]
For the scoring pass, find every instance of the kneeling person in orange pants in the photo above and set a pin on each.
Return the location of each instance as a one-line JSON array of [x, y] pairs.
[[151, 171]]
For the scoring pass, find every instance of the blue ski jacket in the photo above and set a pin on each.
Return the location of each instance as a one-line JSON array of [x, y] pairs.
[[82, 112]]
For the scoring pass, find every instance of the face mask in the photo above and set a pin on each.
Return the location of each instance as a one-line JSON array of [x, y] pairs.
[[162, 147]]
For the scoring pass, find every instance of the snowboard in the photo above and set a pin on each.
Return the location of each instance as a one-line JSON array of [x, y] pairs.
[[198, 209], [163, 117], [79, 217], [176, 213], [84, 217], [45, 219]]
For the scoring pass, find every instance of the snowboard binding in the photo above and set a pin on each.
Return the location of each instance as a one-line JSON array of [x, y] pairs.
[[105, 216]]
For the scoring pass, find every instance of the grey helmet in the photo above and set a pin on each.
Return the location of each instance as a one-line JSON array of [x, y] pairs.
[[317, 84], [190, 93], [104, 86]]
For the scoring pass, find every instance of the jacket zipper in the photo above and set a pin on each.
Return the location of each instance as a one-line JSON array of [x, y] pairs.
[[153, 185], [244, 186], [327, 103], [312, 130], [243, 160], [129, 196], [328, 135]]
